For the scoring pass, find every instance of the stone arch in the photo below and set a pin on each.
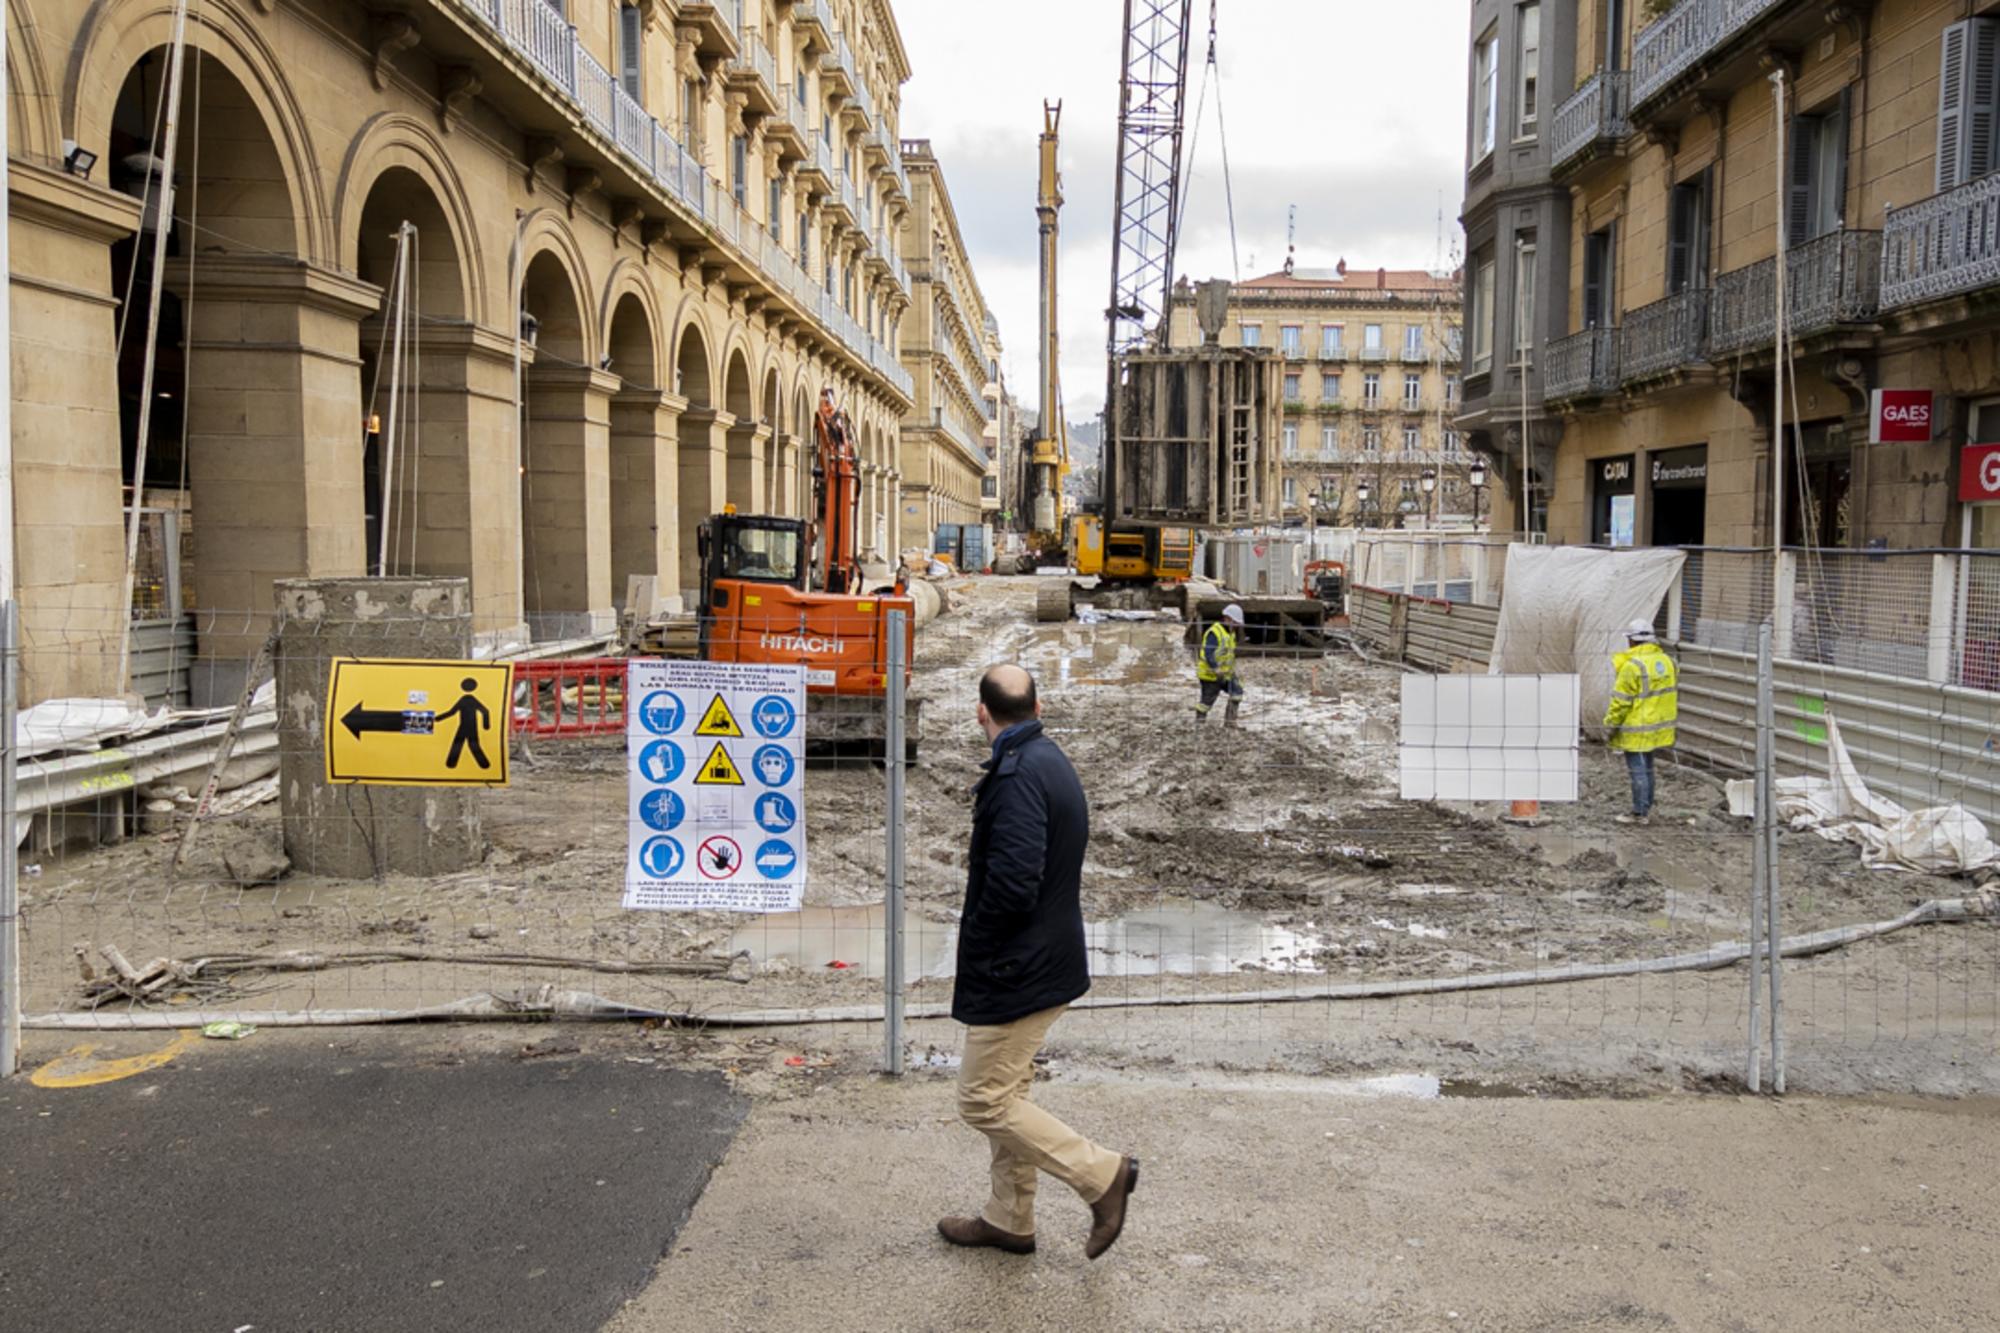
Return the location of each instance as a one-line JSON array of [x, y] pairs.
[[565, 574], [31, 108], [643, 466], [749, 442], [693, 357], [703, 472], [549, 249], [630, 316], [393, 142], [118, 34], [736, 387]]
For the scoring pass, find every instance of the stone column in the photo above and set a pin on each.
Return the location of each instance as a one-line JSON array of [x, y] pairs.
[[785, 486], [566, 503], [274, 445], [748, 445], [704, 483], [346, 831], [69, 535], [645, 491]]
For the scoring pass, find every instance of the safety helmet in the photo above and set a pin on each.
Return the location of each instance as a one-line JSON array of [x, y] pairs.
[[1233, 614], [1640, 631]]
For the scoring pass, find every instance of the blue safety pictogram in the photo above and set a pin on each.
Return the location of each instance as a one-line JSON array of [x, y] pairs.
[[661, 761], [662, 713], [776, 859], [773, 716], [776, 813], [662, 809], [661, 857], [773, 765]]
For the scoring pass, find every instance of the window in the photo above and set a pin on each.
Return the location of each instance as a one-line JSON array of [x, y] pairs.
[[1451, 391], [1329, 439], [691, 115], [1482, 316], [1413, 340], [1524, 295], [799, 87], [1614, 31], [1371, 337], [1252, 335], [1451, 441], [1968, 102], [805, 242], [1371, 389], [739, 167], [1291, 441], [1329, 388], [1818, 171], [1371, 439], [1413, 390], [1291, 491], [1292, 390], [1597, 271], [1485, 93], [1530, 28], [989, 488], [629, 30], [1412, 440], [777, 210], [1454, 341], [1290, 337], [1687, 235], [1329, 340]]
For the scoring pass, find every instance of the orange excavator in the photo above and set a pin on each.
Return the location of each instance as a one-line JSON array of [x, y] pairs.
[[789, 591]]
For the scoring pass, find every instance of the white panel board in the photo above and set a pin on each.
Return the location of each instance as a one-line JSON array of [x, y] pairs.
[[1489, 738]]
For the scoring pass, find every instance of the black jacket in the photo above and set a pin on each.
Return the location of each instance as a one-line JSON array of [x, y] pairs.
[[1020, 941]]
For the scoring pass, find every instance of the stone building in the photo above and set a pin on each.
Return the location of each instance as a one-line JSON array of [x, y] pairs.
[[1371, 384], [1664, 379], [643, 238], [943, 345]]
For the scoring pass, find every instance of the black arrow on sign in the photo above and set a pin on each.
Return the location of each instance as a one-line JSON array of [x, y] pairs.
[[359, 719]]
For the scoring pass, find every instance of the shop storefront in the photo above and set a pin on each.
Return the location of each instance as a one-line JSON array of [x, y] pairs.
[[1678, 480], [1613, 501]]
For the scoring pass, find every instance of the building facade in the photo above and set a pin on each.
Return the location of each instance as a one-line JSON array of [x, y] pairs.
[[944, 333], [640, 240], [1516, 246], [1666, 144], [1371, 388]]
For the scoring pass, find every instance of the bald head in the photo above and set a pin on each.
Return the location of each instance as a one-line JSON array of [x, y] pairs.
[[1007, 696]]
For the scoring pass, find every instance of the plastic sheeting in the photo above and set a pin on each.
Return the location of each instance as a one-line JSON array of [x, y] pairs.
[[1946, 839], [1566, 610]]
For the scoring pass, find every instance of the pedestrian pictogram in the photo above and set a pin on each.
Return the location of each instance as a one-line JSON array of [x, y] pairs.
[[386, 725], [719, 857], [773, 716], [776, 858], [718, 770], [718, 720]]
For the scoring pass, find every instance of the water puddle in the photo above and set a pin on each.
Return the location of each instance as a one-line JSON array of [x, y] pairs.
[[1174, 939]]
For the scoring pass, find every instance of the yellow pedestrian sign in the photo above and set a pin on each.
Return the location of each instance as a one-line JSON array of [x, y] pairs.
[[718, 770], [419, 723], [718, 720]]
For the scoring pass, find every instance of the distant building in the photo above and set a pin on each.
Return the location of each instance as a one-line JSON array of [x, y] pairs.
[[1371, 384]]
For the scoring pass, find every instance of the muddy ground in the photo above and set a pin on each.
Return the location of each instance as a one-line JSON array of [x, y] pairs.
[[1276, 855]]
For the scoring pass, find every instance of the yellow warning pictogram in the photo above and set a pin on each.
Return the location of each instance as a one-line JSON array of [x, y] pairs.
[[718, 770], [718, 720]]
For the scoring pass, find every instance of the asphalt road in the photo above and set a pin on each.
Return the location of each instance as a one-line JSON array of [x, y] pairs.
[[312, 1182]]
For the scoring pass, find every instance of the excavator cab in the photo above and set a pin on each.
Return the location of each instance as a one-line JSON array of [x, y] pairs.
[[753, 548]]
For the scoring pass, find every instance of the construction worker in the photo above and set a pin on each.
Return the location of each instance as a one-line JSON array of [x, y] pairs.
[[1644, 703], [1216, 668]]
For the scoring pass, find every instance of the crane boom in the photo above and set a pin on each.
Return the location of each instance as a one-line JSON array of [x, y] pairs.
[[1152, 85], [1049, 462]]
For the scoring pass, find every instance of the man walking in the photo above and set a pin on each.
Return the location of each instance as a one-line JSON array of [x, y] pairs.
[[1021, 962], [1644, 705], [1216, 668]]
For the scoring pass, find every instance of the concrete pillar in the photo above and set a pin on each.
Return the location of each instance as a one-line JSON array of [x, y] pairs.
[[345, 831], [747, 449], [892, 490], [566, 503], [69, 536], [274, 445], [785, 488], [645, 490], [704, 483]]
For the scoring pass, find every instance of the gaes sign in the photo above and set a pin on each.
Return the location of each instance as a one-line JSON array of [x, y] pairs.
[[1899, 416], [418, 722], [1979, 473]]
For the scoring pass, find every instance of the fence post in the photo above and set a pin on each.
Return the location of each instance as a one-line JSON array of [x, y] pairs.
[[1784, 594], [1760, 866], [1481, 574], [1674, 609], [1943, 619], [10, 864], [893, 760], [1767, 835]]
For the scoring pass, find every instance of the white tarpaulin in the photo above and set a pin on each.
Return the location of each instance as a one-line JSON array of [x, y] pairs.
[[1839, 806], [1566, 609]]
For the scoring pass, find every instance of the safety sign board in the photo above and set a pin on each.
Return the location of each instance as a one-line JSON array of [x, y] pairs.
[[418, 723], [716, 786]]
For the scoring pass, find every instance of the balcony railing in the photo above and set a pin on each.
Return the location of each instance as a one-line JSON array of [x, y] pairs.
[[1583, 365], [1831, 280], [1374, 355], [1415, 356], [1332, 354], [1680, 38], [1594, 114], [1942, 246], [1663, 336], [754, 57], [1293, 351]]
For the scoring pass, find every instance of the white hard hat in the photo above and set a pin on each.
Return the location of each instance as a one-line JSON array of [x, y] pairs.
[[1233, 614], [1640, 631]]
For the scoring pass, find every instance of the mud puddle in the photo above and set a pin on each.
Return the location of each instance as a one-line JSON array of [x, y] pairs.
[[1182, 938]]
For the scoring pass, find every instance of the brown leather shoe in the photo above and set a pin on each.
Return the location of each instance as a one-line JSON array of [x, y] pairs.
[[977, 1232], [1108, 1213]]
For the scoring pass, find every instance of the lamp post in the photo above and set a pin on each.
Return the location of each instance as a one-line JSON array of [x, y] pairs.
[[1312, 525], [1429, 481], [1361, 494], [1476, 475]]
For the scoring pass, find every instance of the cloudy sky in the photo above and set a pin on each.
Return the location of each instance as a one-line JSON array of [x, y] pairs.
[[1352, 110]]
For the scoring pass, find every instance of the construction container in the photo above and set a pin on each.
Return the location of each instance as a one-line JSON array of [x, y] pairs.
[[970, 545], [1259, 564], [1195, 438]]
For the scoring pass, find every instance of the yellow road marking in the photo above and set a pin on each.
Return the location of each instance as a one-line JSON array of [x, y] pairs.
[[75, 1068]]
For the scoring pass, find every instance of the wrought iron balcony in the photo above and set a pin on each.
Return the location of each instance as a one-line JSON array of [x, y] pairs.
[[1830, 280], [1685, 35], [1663, 336], [1593, 118], [1583, 365], [1945, 245]]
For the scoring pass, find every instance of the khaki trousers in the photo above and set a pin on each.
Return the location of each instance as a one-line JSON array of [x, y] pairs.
[[994, 1076]]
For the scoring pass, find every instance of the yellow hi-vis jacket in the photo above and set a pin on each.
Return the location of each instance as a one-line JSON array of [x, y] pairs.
[[1218, 654], [1645, 700]]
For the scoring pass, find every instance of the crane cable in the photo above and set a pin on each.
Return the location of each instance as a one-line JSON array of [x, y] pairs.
[[1211, 68]]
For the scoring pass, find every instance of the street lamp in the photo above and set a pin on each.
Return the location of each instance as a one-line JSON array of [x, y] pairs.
[[1476, 475], [1361, 493]]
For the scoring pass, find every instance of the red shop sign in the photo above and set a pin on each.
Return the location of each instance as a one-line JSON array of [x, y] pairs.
[[1979, 472], [1899, 416]]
